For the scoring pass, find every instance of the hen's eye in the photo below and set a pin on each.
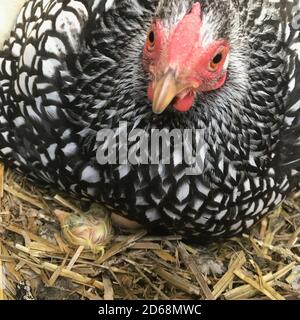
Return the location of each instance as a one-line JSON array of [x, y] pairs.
[[218, 58], [151, 40], [151, 37], [213, 65]]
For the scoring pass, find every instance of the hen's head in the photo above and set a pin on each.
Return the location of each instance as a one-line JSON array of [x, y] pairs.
[[187, 52]]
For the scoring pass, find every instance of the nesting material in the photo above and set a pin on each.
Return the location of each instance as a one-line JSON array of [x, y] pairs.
[[37, 257]]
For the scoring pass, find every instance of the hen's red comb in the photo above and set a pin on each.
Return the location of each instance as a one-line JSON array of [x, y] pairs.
[[185, 36]]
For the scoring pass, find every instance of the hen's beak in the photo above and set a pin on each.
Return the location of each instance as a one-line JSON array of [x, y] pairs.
[[165, 89]]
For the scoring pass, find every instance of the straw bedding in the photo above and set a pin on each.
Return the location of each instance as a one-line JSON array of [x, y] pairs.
[[37, 263]]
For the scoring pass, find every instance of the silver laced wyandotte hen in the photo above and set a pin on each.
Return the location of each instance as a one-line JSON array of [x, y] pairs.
[[72, 69]]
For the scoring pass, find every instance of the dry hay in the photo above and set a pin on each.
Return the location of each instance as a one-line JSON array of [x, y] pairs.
[[36, 262]]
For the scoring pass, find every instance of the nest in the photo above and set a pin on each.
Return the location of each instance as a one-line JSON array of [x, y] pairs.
[[37, 263]]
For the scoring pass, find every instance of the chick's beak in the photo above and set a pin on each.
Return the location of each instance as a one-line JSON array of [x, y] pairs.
[[165, 89]]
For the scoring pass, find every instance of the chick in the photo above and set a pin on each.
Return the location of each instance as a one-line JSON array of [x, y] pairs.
[[92, 229]]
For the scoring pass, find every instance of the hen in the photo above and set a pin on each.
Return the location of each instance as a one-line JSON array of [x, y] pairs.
[[222, 76]]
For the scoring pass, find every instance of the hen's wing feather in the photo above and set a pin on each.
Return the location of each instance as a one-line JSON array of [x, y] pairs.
[[290, 137]]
